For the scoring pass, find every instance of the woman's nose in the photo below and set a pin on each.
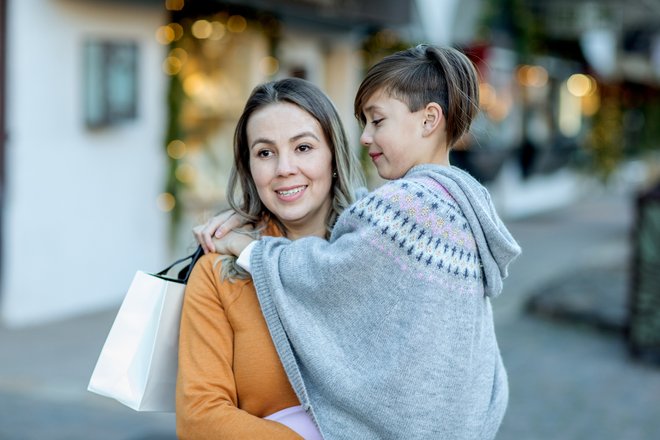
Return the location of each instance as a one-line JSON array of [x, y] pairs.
[[286, 165]]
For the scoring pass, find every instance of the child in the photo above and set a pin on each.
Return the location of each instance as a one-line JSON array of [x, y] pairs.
[[386, 330]]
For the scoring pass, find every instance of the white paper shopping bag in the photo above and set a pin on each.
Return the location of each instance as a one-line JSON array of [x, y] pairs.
[[138, 363]]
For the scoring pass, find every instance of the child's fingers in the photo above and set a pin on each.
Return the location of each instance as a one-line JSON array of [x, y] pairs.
[[235, 221], [199, 237]]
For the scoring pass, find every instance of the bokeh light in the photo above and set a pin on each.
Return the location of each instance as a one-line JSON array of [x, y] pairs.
[[166, 202], [194, 84], [172, 65], [236, 24], [581, 85], [179, 53], [202, 29], [165, 35], [532, 76], [269, 66], [590, 104], [174, 5], [176, 149], [185, 173], [177, 29], [218, 31]]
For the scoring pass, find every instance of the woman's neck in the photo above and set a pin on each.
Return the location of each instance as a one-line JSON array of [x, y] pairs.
[[314, 223], [294, 232]]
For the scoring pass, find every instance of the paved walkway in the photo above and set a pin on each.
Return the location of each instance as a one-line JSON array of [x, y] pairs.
[[568, 380], [570, 373]]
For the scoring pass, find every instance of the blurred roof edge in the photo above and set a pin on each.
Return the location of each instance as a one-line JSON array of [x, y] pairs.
[[336, 13]]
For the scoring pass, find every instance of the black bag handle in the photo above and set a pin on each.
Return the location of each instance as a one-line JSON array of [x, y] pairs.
[[184, 274]]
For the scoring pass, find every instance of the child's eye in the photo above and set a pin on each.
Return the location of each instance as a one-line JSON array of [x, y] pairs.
[[264, 153]]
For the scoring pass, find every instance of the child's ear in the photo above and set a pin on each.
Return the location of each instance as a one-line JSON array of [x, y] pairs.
[[433, 117]]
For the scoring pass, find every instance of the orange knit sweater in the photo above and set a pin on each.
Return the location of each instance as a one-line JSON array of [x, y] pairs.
[[229, 373]]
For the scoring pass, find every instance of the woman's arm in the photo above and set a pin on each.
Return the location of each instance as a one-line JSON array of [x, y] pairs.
[[206, 401]]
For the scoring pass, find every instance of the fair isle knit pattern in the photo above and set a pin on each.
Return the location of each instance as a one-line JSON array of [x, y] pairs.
[[386, 330], [420, 218]]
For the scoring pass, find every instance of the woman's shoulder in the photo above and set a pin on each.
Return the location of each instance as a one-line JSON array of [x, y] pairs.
[[205, 270], [206, 278]]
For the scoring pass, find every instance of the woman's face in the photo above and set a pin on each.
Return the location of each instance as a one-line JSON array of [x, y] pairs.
[[291, 165]]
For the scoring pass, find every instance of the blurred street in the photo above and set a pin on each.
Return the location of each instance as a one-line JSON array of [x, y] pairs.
[[568, 379]]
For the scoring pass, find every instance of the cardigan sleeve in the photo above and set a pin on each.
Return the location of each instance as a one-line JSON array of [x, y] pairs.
[[206, 396]]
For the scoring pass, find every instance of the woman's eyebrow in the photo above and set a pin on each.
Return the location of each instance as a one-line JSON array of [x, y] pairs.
[[303, 135], [261, 141]]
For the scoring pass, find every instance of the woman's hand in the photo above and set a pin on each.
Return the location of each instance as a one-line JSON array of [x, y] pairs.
[[217, 227], [233, 242]]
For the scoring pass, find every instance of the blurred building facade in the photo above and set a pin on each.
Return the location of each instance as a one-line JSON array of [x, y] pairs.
[[83, 163], [118, 118]]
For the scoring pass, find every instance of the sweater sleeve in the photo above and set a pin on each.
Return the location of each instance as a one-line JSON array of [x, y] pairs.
[[206, 396]]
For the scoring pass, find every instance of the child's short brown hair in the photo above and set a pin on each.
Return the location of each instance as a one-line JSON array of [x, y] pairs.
[[424, 74]]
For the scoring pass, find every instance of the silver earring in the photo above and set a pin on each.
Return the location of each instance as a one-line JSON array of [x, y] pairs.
[[334, 174]]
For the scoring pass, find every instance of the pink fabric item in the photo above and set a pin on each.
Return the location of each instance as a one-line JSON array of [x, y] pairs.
[[298, 420]]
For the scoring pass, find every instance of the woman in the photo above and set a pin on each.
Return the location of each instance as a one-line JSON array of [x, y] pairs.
[[297, 174]]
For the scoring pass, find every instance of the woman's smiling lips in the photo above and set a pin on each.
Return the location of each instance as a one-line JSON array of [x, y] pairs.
[[291, 193]]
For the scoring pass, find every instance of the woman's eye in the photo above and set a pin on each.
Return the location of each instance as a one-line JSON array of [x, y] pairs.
[[377, 121], [304, 147], [264, 153]]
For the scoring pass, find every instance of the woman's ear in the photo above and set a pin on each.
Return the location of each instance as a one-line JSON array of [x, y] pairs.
[[433, 118]]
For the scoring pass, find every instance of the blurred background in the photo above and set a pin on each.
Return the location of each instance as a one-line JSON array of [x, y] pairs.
[[116, 123]]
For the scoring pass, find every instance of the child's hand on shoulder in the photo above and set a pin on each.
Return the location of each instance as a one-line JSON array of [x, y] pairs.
[[233, 242]]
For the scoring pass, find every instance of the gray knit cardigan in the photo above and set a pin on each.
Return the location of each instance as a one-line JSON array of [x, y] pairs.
[[386, 330]]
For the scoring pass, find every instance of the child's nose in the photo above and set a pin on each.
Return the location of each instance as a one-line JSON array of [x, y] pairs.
[[366, 138]]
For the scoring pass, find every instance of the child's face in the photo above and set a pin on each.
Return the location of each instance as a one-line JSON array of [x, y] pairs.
[[394, 136]]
